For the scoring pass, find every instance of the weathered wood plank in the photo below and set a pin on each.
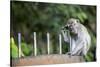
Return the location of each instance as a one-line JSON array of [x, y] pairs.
[[47, 59]]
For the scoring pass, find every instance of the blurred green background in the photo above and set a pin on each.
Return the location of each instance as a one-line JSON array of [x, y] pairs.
[[27, 17]]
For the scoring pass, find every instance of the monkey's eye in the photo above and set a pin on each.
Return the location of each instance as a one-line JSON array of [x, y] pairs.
[[74, 24], [77, 20], [71, 23]]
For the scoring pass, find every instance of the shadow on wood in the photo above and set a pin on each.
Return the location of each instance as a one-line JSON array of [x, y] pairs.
[[46, 59]]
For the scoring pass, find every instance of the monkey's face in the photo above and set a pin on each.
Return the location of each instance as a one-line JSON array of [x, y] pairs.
[[72, 25]]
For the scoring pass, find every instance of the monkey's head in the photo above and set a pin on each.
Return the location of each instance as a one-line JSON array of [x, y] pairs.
[[72, 26]]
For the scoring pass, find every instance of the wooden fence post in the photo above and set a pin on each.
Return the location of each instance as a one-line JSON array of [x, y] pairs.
[[60, 44], [48, 43], [35, 44], [19, 45]]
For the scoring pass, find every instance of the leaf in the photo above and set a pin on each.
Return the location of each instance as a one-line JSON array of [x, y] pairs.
[[25, 48], [14, 49]]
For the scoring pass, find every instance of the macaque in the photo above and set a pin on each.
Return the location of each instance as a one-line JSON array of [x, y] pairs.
[[77, 36]]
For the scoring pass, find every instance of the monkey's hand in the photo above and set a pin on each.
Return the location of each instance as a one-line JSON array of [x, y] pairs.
[[66, 35]]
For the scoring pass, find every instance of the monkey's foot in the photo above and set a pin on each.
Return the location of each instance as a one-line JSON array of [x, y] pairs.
[[68, 53], [71, 54]]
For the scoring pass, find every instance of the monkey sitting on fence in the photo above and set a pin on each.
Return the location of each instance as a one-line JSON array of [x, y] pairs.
[[77, 35]]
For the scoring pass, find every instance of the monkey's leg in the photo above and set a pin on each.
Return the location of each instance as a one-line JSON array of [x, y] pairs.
[[78, 49]]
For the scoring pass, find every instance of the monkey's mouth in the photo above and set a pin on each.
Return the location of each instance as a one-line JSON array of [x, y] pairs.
[[73, 31]]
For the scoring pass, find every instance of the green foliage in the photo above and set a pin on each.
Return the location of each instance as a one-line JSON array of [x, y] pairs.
[[26, 49], [13, 48]]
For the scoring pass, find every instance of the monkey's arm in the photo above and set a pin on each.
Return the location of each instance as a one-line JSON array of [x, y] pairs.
[[78, 48], [66, 35]]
